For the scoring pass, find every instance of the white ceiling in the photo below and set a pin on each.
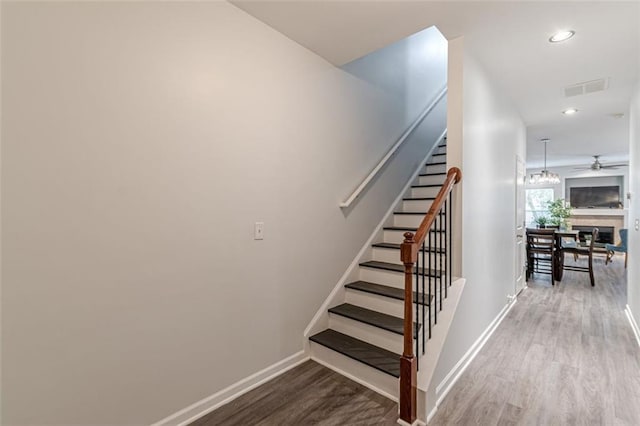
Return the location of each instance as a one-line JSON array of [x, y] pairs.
[[510, 39]]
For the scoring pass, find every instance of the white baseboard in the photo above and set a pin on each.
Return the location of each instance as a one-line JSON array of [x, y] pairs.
[[452, 377], [634, 324], [416, 423], [210, 403]]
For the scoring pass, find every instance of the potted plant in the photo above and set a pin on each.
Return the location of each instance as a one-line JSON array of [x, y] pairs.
[[559, 212], [541, 221]]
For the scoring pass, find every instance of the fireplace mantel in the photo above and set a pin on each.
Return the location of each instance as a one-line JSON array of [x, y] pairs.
[[600, 212]]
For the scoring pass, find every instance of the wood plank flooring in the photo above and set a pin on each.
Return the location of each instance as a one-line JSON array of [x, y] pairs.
[[563, 355], [309, 394]]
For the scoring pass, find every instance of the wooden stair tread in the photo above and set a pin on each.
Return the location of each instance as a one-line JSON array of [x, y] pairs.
[[374, 318], [396, 246], [394, 267], [419, 198], [439, 163], [406, 228], [386, 291], [366, 353], [433, 174], [433, 185]]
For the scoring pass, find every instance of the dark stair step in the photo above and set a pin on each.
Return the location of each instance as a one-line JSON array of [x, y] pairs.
[[438, 185], [439, 163], [406, 228], [440, 154], [386, 291], [416, 213], [433, 174], [394, 267], [395, 246], [419, 198], [374, 318], [371, 355]]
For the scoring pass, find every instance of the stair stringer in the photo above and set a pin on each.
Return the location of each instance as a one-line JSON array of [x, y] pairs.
[[320, 320]]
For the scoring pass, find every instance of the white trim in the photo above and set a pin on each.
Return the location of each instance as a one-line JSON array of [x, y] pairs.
[[457, 370], [355, 379], [393, 150], [415, 423], [634, 324], [205, 406], [356, 261]]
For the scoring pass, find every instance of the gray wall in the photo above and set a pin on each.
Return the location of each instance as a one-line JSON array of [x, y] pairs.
[[141, 141]]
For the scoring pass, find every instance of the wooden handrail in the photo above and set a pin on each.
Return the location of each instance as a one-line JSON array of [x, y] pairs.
[[409, 250], [454, 175]]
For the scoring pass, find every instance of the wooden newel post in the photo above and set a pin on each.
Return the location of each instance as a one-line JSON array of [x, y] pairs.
[[408, 368]]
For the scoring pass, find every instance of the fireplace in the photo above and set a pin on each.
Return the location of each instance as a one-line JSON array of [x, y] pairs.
[[605, 233]]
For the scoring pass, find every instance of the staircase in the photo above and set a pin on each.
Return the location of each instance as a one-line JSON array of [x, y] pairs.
[[365, 335]]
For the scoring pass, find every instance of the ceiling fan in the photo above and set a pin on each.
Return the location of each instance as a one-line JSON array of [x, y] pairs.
[[597, 165]]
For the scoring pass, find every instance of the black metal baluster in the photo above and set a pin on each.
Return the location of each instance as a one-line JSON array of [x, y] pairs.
[[450, 245], [434, 251], [416, 315], [421, 296], [440, 236], [430, 284]]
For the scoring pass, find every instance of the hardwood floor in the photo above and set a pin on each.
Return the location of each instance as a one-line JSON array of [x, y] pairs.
[[309, 394], [563, 355]]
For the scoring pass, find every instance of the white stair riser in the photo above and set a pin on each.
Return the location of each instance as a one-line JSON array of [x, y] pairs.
[[382, 276], [440, 150], [438, 168], [416, 205], [397, 237], [393, 256], [431, 180], [386, 305], [363, 372], [425, 192], [368, 333], [414, 220]]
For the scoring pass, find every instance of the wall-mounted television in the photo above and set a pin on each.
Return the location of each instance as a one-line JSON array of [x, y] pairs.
[[590, 197]]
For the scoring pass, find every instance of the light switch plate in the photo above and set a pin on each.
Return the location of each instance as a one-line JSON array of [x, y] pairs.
[[258, 231], [637, 225]]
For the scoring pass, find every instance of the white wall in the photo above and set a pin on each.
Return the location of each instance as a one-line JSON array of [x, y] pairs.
[[484, 136], [633, 272], [141, 141]]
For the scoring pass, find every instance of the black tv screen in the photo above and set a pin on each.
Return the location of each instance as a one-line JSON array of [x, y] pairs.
[[595, 197]]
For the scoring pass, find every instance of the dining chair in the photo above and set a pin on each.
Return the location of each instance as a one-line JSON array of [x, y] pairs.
[[620, 248], [579, 249], [540, 252]]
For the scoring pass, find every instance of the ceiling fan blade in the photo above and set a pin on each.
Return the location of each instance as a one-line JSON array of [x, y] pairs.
[[612, 166], [582, 168], [615, 165]]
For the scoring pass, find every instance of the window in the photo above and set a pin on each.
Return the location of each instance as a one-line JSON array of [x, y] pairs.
[[537, 201]]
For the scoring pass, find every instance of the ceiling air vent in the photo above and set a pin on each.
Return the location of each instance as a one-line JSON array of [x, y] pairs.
[[586, 87]]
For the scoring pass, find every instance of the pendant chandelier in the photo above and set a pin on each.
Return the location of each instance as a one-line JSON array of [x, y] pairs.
[[545, 176]]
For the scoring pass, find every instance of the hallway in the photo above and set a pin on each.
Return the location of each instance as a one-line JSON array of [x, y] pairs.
[[563, 355]]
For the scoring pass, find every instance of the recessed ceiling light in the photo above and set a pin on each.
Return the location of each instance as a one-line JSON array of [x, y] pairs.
[[562, 36], [569, 111]]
